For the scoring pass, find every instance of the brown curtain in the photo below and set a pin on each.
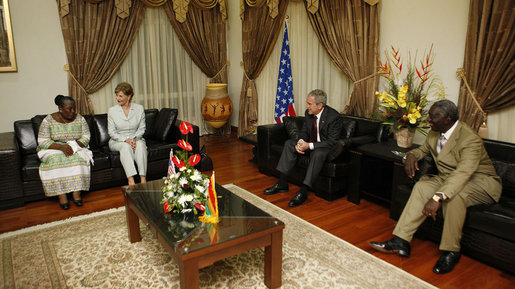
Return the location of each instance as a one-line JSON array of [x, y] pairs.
[[259, 34], [97, 41], [203, 36], [349, 32], [489, 65]]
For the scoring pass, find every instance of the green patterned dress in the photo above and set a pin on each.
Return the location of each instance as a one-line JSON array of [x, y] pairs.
[[61, 174]]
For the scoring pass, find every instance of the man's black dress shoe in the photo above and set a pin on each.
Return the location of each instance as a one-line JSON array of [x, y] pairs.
[[396, 245], [64, 206], [276, 189], [299, 198], [77, 203], [447, 262]]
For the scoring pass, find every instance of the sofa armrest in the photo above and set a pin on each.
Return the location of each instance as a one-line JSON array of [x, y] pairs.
[[193, 139], [10, 185], [268, 135]]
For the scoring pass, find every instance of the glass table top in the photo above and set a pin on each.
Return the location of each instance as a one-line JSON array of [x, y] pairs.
[[184, 233]]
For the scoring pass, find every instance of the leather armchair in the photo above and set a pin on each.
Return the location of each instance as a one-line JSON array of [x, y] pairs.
[[339, 175]]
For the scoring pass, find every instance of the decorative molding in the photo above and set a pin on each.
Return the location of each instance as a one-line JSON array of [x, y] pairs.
[[312, 6], [122, 8], [64, 7], [180, 7]]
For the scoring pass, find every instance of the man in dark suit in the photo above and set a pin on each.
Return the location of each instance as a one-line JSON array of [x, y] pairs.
[[318, 136], [466, 177]]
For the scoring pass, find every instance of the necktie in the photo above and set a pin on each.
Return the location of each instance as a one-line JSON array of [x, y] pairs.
[[443, 140], [314, 129]]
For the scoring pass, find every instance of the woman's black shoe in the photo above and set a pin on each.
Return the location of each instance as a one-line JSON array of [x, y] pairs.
[[64, 206], [77, 203]]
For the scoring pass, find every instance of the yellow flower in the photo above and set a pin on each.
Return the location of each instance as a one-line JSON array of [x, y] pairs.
[[401, 100], [414, 115]]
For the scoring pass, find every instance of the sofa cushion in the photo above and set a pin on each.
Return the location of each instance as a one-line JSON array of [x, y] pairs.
[[25, 137], [30, 168], [506, 171], [348, 127], [101, 134], [293, 124], [162, 127], [502, 214], [101, 160], [159, 150], [150, 117], [36, 123]]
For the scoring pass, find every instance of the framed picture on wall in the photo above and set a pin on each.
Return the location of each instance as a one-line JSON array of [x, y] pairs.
[[7, 54]]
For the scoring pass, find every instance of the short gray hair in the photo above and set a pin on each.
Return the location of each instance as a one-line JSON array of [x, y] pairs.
[[320, 96], [448, 108]]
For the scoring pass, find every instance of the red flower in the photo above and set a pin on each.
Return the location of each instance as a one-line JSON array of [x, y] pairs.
[[200, 207], [194, 159], [186, 128], [178, 162], [185, 145], [167, 208]]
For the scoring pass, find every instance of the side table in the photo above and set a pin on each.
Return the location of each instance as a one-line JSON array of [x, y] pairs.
[[380, 171]]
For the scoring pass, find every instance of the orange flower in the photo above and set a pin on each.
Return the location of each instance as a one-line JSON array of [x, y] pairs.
[[186, 128], [194, 160]]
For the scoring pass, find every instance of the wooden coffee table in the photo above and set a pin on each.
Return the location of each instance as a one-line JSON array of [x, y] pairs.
[[196, 245]]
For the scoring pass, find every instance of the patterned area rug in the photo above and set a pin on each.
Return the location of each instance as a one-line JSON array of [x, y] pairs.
[[93, 251]]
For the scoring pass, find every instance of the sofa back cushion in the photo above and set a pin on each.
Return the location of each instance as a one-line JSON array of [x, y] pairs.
[[162, 127], [293, 124], [36, 123], [150, 117], [25, 136], [100, 127], [348, 127]]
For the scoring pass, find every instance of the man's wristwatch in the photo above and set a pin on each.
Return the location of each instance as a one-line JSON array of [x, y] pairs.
[[437, 198]]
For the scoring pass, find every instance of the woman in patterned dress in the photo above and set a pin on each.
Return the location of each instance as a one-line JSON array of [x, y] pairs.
[[63, 139]]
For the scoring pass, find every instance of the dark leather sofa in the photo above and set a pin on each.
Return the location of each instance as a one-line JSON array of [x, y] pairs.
[[489, 230], [19, 163], [338, 176]]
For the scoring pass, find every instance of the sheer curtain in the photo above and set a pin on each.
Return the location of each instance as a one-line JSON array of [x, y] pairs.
[[160, 71], [311, 68]]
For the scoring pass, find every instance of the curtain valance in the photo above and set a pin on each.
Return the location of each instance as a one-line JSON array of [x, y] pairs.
[[180, 7]]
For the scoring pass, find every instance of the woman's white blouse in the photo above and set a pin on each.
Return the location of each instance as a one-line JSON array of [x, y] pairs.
[[121, 127]]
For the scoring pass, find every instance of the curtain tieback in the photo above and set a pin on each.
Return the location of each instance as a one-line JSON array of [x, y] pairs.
[[220, 71], [67, 68], [365, 78], [460, 72]]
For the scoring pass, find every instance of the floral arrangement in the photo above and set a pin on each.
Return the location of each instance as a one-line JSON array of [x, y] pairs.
[[403, 103], [186, 190]]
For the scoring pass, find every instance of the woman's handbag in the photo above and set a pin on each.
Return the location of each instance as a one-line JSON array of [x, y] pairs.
[[205, 164]]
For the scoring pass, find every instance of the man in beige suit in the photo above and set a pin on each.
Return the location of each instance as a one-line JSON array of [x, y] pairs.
[[466, 177]]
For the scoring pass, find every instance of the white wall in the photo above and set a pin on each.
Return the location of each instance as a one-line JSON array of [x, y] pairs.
[[406, 24], [40, 57]]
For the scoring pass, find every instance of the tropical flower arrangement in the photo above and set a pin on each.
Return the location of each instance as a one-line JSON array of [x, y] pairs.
[[186, 189], [403, 103]]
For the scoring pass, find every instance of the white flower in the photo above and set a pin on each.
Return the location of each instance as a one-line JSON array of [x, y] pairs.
[[182, 169], [184, 198], [188, 171], [196, 176], [183, 181], [200, 188]]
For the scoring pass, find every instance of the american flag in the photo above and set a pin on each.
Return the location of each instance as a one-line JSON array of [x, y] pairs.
[[284, 98], [171, 166]]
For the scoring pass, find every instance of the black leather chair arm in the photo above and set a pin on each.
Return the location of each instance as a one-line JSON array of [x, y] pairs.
[[193, 139], [268, 135], [10, 183]]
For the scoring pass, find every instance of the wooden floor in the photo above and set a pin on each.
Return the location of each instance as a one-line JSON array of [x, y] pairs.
[[356, 224]]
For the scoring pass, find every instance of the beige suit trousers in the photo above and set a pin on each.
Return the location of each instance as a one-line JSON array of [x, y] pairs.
[[454, 209]]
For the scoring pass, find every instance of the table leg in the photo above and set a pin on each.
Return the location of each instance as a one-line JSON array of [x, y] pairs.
[[188, 272], [274, 261], [132, 225]]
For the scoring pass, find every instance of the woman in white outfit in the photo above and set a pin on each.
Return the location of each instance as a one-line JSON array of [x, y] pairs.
[[126, 126]]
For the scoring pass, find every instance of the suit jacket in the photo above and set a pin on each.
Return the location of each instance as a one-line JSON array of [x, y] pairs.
[[329, 128], [462, 156]]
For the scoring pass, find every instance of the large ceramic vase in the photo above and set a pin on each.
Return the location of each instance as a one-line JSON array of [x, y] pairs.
[[216, 105], [404, 137]]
